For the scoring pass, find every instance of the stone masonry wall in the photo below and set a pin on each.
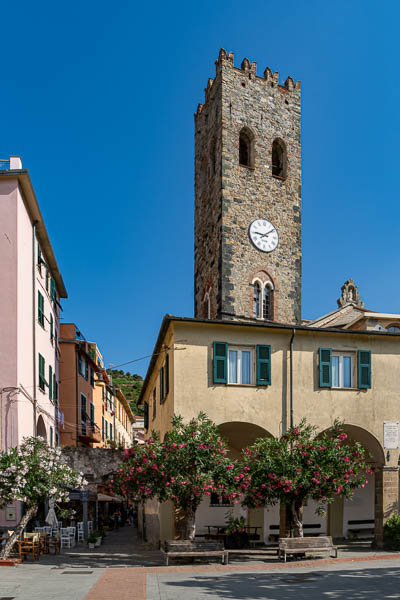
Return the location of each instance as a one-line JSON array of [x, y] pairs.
[[227, 202]]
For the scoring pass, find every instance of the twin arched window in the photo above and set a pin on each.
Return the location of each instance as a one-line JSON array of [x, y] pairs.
[[262, 300], [279, 153]]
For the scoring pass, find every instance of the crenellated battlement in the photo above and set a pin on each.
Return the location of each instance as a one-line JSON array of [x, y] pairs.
[[250, 70]]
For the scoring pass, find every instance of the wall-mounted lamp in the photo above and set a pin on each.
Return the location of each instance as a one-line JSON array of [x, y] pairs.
[[387, 456]]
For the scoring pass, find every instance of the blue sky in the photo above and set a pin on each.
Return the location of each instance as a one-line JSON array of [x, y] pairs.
[[98, 99]]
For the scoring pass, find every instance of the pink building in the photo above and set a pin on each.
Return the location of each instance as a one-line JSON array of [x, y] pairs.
[[30, 290]]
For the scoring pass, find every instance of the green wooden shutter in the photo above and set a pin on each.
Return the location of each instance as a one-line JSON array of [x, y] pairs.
[[50, 382], [55, 387], [325, 367], [86, 370], [220, 362], [42, 377], [52, 289], [364, 369], [161, 384], [51, 328], [41, 309], [166, 369], [146, 415], [102, 428], [263, 365]]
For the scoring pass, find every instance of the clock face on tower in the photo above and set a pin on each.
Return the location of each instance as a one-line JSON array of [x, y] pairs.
[[263, 235]]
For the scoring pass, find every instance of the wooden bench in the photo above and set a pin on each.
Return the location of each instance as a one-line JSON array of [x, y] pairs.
[[360, 526], [306, 545], [186, 548], [274, 537]]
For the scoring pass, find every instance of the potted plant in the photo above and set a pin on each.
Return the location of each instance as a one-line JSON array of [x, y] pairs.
[[236, 535], [99, 538], [92, 539]]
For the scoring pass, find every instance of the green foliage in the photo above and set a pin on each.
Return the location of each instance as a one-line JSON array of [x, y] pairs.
[[92, 538], [189, 464], [391, 532], [301, 465], [234, 524], [131, 385]]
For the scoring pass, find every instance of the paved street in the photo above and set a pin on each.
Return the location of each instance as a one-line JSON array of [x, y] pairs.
[[124, 569], [351, 581]]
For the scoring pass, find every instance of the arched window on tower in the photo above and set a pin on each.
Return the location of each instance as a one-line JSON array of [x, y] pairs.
[[267, 302], [279, 159], [245, 148], [257, 299]]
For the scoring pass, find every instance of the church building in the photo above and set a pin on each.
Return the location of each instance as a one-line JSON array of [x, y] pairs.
[[247, 359]]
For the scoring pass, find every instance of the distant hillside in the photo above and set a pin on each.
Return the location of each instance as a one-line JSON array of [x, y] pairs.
[[131, 385]]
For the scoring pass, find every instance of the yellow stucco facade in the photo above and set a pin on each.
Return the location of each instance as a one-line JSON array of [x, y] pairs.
[[245, 412]]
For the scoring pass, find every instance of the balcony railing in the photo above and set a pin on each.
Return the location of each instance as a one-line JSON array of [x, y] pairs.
[[90, 432], [4, 164]]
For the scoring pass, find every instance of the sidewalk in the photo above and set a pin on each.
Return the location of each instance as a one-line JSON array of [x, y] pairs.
[[126, 569]]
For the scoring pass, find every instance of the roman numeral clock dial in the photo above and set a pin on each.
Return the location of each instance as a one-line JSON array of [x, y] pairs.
[[263, 235]]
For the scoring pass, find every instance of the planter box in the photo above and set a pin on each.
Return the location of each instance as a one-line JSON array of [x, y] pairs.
[[92, 546], [98, 542]]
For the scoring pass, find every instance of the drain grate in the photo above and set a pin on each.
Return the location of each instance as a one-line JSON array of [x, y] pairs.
[[7, 598], [75, 573]]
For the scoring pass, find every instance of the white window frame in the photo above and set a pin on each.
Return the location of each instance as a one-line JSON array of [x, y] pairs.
[[241, 349], [267, 284], [342, 354]]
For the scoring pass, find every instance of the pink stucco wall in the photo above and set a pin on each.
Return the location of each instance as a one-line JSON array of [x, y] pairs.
[[8, 309]]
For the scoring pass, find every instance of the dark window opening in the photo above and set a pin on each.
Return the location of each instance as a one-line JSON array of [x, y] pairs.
[[244, 150], [267, 306], [278, 159], [256, 306]]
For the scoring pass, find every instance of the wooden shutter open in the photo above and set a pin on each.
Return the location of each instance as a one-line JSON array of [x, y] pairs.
[[263, 365], [364, 369], [325, 367], [220, 354]]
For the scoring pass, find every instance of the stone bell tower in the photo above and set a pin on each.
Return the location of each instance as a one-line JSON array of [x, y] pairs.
[[248, 196]]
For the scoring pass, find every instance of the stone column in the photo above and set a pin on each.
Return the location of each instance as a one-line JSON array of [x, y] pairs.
[[335, 518], [386, 498]]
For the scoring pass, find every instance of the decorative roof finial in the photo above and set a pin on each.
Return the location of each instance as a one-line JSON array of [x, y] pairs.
[[350, 295]]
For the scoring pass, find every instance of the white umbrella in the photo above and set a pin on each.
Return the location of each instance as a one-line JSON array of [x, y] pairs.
[[51, 518]]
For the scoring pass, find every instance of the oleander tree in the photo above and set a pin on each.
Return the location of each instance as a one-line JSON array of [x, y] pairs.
[[32, 473], [301, 466], [189, 464]]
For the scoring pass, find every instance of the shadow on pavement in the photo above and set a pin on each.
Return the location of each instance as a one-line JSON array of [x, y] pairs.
[[353, 584]]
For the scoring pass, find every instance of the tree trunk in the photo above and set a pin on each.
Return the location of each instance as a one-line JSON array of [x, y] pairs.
[[30, 512], [185, 523], [297, 517]]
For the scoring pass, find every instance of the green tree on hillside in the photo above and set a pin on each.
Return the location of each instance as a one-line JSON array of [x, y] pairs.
[[131, 385]]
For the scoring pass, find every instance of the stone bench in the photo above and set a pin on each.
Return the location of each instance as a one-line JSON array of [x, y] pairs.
[[189, 549], [306, 545]]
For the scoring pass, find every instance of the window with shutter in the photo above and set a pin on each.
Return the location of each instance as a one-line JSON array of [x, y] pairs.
[[50, 382], [51, 327], [166, 371], [263, 365], [52, 289], [102, 428], [146, 415], [55, 387], [86, 370], [220, 362], [364, 369], [161, 385], [325, 368], [42, 376], [41, 309]]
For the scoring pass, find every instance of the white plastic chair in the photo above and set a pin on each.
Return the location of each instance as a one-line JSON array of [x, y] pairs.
[[66, 540]]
